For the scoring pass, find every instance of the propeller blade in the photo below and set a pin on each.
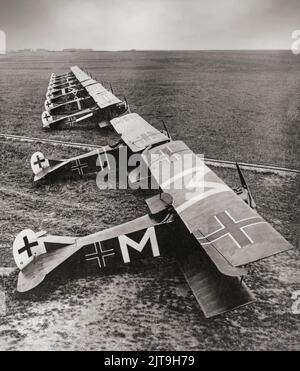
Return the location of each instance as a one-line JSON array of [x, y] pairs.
[[166, 129], [241, 175], [252, 203]]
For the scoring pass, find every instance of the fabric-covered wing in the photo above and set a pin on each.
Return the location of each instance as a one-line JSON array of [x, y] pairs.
[[80, 75], [95, 89], [137, 133], [101, 96], [89, 82], [106, 99], [215, 292], [211, 211]]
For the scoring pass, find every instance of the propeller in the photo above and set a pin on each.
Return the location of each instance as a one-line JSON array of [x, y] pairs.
[[111, 89], [245, 186], [127, 105], [166, 129]]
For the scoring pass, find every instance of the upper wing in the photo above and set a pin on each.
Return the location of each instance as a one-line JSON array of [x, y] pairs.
[[80, 75], [89, 82], [137, 133], [95, 89], [106, 99], [211, 211], [102, 97]]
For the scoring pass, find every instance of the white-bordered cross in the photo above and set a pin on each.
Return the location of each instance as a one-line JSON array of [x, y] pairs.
[[100, 255], [46, 116], [79, 167], [233, 229]]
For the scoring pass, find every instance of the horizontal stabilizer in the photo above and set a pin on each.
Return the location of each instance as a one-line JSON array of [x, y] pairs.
[[37, 254], [29, 279], [35, 273], [41, 166]]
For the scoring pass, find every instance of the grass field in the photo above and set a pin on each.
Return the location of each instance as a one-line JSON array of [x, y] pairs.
[[229, 105]]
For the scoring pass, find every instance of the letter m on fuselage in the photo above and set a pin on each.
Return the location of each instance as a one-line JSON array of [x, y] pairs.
[[149, 236]]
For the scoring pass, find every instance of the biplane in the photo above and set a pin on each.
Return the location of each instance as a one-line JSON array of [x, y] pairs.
[[212, 231], [76, 98], [136, 134]]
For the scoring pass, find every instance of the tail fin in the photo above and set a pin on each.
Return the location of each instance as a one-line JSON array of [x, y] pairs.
[[41, 166], [39, 163], [36, 255], [27, 247], [48, 105], [49, 96], [47, 119]]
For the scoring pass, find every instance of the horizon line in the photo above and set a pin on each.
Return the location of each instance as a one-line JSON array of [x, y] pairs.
[[74, 50]]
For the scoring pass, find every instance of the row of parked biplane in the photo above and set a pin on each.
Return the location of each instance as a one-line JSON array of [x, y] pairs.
[[213, 231]]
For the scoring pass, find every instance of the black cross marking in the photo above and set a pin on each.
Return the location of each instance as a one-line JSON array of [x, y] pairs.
[[232, 228], [100, 255], [47, 116], [79, 167], [39, 162], [27, 248]]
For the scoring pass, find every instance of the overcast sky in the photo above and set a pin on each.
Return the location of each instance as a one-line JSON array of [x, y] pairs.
[[149, 24]]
